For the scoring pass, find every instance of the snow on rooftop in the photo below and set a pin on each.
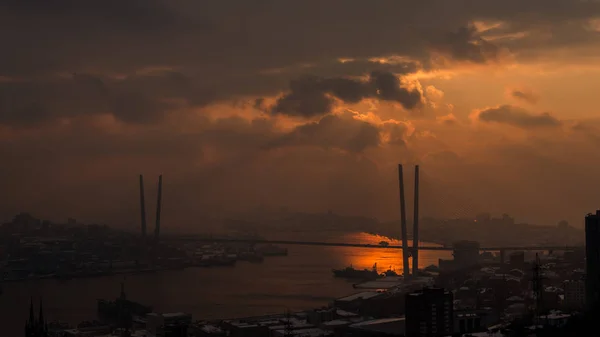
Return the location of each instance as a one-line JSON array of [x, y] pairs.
[[344, 313], [485, 334], [336, 322], [379, 321], [306, 332], [174, 314], [277, 327], [270, 322], [211, 329]]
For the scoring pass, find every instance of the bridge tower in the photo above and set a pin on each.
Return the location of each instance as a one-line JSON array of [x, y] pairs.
[[142, 206], [405, 252], [415, 253], [158, 208]]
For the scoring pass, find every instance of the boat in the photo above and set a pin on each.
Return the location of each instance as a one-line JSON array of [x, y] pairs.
[[384, 244], [389, 273], [121, 308], [351, 273]]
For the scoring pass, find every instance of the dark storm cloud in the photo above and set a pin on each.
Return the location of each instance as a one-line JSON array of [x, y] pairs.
[[222, 51], [313, 96], [238, 36], [333, 131], [525, 95], [515, 116], [147, 96], [138, 108], [30, 103], [232, 38], [387, 88], [466, 44]]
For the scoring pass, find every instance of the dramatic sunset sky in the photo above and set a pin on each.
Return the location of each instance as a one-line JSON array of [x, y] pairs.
[[306, 104]]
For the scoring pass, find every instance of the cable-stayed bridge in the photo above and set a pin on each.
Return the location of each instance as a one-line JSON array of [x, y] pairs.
[[204, 238], [440, 200]]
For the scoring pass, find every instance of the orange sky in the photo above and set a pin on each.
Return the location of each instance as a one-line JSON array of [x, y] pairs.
[[300, 105]]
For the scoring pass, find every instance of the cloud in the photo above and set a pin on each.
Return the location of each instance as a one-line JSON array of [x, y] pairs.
[[313, 96], [204, 53], [31, 103], [448, 119], [150, 77], [396, 133], [334, 131], [466, 44], [344, 162], [148, 33], [525, 95], [518, 117], [434, 94]]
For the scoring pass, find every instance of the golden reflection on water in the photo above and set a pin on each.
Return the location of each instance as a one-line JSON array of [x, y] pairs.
[[385, 258]]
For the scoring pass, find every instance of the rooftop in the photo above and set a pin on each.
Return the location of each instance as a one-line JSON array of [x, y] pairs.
[[307, 332], [344, 313], [429, 291], [336, 322], [363, 295], [386, 325], [379, 321], [175, 315], [211, 329]]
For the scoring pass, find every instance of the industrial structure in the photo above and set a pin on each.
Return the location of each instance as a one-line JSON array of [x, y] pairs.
[[143, 208], [406, 251]]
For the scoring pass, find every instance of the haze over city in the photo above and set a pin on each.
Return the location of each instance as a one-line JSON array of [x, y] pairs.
[[299, 168], [307, 105]]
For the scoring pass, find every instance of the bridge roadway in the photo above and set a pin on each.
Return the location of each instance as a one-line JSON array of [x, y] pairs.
[[359, 245]]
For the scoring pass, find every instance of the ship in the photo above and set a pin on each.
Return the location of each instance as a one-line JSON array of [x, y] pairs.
[[389, 273], [384, 244], [121, 309], [351, 273]]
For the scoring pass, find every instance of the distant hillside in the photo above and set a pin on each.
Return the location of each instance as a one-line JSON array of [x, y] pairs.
[[289, 221], [489, 232]]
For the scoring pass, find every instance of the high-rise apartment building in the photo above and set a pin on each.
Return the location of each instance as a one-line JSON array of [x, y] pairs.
[[429, 313], [574, 294], [592, 260]]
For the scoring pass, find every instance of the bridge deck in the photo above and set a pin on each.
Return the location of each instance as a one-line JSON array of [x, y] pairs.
[[359, 245]]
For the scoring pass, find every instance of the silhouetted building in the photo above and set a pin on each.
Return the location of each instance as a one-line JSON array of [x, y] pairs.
[[575, 256], [171, 324], [592, 259], [429, 313], [466, 254], [467, 322], [574, 294], [517, 259], [33, 327]]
